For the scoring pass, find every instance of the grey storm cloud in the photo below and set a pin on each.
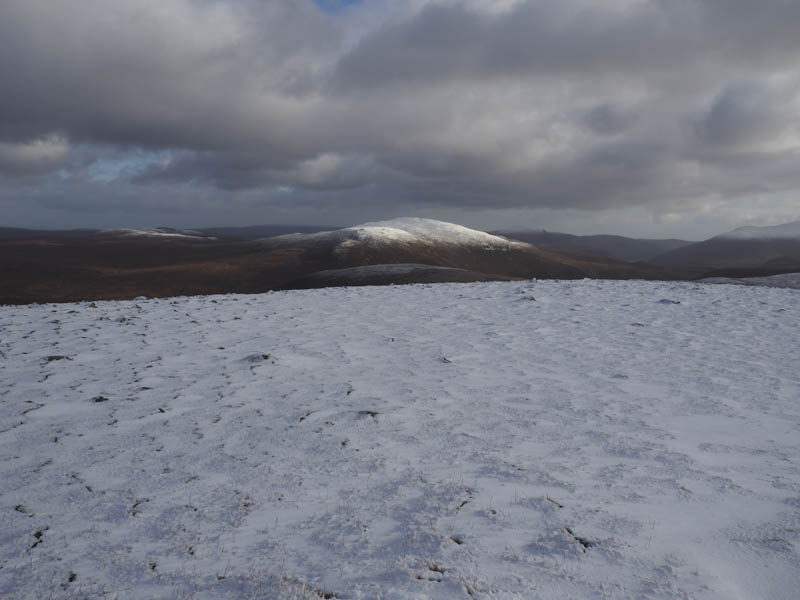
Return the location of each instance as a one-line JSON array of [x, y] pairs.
[[560, 104], [647, 40], [746, 113], [607, 119]]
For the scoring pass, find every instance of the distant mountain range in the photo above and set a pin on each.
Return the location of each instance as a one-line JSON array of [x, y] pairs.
[[624, 248], [43, 266], [775, 248], [765, 249], [254, 232], [251, 232]]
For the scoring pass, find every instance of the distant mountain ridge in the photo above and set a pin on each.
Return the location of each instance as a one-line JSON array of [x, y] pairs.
[[771, 249], [249, 232], [785, 231], [624, 248], [775, 247], [252, 232]]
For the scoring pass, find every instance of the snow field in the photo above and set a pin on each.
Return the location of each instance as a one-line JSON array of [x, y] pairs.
[[586, 439]]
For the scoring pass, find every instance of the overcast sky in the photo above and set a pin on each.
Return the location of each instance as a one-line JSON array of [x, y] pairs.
[[656, 118]]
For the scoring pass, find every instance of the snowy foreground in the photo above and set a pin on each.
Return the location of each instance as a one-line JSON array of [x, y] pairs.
[[446, 441]]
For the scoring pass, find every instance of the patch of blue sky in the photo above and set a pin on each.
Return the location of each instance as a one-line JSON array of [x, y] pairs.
[[127, 164], [335, 6]]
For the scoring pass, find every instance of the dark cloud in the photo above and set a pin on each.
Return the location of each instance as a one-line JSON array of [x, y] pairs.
[[744, 114], [451, 105], [607, 119], [236, 171], [184, 74]]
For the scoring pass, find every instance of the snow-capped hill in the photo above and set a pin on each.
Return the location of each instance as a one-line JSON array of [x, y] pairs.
[[785, 231], [432, 231], [405, 231], [421, 241]]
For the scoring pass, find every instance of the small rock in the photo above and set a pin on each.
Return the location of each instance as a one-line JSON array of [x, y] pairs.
[[56, 357]]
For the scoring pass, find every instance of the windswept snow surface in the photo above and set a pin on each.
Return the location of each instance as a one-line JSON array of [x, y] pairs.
[[584, 439]]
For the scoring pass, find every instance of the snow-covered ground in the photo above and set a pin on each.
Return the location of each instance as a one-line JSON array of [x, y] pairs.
[[584, 439]]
